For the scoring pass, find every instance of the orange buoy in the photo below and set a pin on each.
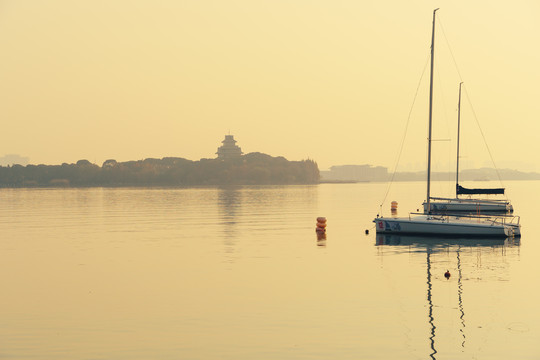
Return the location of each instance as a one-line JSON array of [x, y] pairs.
[[321, 224]]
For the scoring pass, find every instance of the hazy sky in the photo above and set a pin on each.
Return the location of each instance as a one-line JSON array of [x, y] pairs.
[[328, 80]]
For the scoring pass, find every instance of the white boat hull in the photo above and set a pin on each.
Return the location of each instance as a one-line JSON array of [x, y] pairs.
[[444, 226], [440, 205]]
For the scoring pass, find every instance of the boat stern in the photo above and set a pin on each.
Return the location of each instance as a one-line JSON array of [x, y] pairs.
[[380, 225]]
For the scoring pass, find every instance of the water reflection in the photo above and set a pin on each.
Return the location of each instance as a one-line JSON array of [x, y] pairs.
[[321, 238], [419, 243], [229, 207], [433, 246], [460, 298], [430, 302]]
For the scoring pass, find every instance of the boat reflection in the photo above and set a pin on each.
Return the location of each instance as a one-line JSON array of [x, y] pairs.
[[436, 243], [434, 247]]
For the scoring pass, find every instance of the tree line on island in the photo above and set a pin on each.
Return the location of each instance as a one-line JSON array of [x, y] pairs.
[[249, 169]]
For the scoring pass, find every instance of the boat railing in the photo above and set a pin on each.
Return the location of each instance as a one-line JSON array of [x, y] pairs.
[[469, 200], [507, 219], [442, 217]]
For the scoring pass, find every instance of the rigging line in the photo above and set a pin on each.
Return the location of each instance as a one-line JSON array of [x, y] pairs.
[[470, 102], [483, 136], [450, 49], [404, 134]]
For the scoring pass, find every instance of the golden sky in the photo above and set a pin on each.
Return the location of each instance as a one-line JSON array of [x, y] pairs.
[[333, 81]]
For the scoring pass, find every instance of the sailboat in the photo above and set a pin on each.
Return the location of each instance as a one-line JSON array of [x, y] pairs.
[[441, 224], [468, 205]]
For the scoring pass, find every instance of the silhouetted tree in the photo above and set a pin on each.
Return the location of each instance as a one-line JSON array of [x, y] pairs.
[[253, 168]]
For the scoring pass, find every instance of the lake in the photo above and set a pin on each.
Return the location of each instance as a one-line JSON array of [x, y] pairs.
[[239, 273]]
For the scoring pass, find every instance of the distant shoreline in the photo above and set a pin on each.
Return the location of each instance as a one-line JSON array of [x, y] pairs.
[[356, 173], [249, 169], [206, 186]]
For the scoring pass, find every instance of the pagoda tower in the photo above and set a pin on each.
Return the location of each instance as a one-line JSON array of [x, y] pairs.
[[229, 149]]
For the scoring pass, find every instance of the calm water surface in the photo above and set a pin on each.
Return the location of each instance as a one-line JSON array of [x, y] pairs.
[[238, 273]]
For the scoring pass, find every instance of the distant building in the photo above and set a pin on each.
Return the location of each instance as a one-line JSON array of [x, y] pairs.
[[229, 149]]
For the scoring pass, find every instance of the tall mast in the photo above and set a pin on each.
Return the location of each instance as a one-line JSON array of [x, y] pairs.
[[430, 113], [458, 125]]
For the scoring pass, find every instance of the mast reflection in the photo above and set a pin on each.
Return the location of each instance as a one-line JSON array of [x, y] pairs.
[[460, 299], [430, 302]]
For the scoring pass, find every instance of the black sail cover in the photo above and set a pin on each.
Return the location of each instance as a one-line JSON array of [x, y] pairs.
[[460, 190]]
